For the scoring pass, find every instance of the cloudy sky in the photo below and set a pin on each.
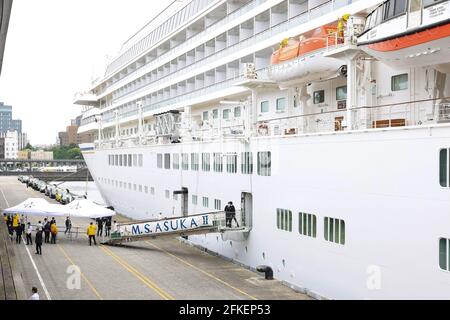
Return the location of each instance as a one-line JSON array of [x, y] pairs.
[[53, 50]]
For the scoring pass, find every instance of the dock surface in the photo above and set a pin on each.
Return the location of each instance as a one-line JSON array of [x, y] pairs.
[[160, 269]]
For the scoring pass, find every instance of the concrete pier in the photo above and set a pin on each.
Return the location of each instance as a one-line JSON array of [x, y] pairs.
[[161, 269]]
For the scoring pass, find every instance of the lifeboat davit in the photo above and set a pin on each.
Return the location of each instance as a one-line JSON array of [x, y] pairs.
[[303, 60], [416, 37]]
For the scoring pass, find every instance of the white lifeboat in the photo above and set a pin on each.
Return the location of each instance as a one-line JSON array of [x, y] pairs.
[[406, 34]]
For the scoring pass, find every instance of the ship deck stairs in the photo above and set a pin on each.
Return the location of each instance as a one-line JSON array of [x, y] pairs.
[[214, 222]]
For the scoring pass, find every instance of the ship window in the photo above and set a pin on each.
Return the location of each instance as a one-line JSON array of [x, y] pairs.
[[205, 202], [427, 3], [140, 188], [284, 220], [176, 161], [194, 200], [141, 160], [135, 187], [134, 160], [264, 164], [167, 194], [159, 160], [205, 116], [218, 162], [218, 204], [145, 189], [341, 93], [206, 162], [281, 104], [400, 7], [264, 106], [399, 82], [215, 114], [319, 96], [444, 164], [125, 160], [307, 224], [231, 162], [237, 112], [152, 191], [334, 230], [120, 160], [444, 254], [129, 160], [247, 163], [194, 161], [226, 114], [185, 161], [167, 161]]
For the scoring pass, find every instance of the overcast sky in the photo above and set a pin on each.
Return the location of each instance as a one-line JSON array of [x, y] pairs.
[[53, 50]]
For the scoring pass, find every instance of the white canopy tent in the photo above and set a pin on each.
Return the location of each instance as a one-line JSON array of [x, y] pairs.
[[78, 208]]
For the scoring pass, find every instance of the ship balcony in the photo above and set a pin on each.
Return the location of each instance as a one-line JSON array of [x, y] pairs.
[[86, 99]]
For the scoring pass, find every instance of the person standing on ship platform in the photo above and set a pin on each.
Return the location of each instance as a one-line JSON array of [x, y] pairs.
[[91, 233], [108, 226], [100, 227], [230, 215], [23, 223]]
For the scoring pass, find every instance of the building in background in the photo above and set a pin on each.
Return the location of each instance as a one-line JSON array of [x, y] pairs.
[[71, 135], [23, 155], [6, 121], [2, 148], [11, 139], [41, 155]]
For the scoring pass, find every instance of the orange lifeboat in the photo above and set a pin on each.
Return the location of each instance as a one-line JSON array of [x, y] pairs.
[[291, 48]]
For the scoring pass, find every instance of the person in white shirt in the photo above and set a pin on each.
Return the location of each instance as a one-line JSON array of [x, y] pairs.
[[29, 231], [35, 295]]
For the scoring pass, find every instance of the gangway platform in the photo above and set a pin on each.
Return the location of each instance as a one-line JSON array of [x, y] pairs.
[[214, 222]]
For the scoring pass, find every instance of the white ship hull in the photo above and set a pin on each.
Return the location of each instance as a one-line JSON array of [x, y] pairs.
[[384, 185]]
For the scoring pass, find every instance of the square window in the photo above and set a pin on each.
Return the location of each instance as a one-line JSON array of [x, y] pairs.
[[264, 106], [226, 114], [205, 116], [341, 93], [319, 96], [237, 112], [215, 114], [281, 104], [399, 82]]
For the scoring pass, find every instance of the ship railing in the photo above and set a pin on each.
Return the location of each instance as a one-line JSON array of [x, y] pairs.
[[403, 114], [244, 43]]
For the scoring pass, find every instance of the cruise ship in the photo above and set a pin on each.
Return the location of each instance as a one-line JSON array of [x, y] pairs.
[[326, 123]]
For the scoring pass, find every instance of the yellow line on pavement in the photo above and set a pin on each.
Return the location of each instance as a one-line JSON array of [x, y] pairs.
[[202, 271], [82, 274], [163, 294]]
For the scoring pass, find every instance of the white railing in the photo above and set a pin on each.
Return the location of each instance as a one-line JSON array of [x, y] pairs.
[[293, 21], [416, 113]]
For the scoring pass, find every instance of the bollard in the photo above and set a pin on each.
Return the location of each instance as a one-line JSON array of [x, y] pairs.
[[268, 272]]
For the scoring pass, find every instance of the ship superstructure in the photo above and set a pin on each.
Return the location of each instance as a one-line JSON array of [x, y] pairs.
[[327, 123]]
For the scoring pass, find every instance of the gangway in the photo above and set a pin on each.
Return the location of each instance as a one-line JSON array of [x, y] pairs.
[[214, 222]]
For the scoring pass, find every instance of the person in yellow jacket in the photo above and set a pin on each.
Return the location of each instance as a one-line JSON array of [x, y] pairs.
[[54, 232], [16, 221], [91, 232]]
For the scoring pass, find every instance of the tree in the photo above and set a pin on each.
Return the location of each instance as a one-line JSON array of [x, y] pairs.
[[29, 147], [71, 152]]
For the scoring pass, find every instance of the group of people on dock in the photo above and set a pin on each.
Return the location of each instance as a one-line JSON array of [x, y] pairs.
[[46, 232]]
